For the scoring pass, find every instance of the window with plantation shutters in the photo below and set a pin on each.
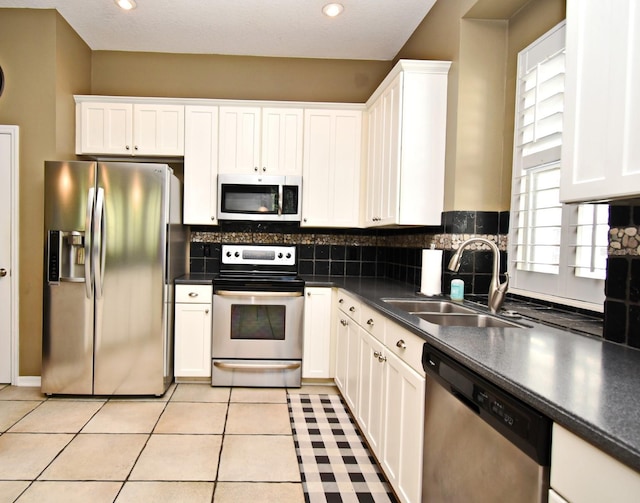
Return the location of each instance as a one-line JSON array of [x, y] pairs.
[[556, 251]]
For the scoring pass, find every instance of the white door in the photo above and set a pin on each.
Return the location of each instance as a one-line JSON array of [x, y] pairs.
[[8, 251]]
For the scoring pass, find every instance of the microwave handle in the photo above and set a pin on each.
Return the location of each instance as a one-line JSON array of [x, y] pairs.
[[280, 194]]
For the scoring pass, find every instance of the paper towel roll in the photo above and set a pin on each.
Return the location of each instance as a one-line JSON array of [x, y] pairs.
[[431, 281]]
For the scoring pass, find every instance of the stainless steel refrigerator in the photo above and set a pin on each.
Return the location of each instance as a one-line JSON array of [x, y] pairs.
[[114, 243]]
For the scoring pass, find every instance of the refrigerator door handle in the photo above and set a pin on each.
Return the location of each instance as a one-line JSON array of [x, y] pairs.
[[88, 243], [99, 248]]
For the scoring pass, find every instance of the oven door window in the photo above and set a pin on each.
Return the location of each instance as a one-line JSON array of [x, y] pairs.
[[258, 199], [258, 322]]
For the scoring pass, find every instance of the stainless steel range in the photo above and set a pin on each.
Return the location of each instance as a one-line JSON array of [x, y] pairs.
[[258, 306]]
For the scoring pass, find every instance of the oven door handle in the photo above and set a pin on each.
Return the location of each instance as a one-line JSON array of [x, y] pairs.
[[257, 366], [231, 293]]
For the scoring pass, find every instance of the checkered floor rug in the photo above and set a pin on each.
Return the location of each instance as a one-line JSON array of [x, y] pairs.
[[335, 462]]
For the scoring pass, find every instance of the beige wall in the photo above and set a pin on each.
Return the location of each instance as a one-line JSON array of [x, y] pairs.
[[44, 63], [482, 38], [235, 77]]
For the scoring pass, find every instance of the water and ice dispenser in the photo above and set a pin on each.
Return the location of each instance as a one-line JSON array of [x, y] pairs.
[[66, 256]]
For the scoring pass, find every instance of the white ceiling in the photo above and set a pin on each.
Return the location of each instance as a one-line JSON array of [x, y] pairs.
[[367, 29]]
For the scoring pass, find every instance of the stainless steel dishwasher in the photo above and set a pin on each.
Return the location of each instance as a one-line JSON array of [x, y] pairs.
[[481, 444]]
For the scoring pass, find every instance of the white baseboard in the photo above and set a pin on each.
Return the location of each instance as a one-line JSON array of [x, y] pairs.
[[32, 381]]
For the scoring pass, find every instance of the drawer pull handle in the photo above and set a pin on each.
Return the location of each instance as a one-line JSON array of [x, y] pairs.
[[193, 294], [370, 322], [341, 301], [352, 309], [401, 344]]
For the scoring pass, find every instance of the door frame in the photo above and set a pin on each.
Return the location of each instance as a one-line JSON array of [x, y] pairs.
[[13, 132]]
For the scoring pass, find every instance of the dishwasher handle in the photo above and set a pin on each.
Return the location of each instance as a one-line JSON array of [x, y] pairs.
[[466, 402]]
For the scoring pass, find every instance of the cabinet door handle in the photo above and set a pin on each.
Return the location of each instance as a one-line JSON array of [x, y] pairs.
[[264, 169], [344, 323], [127, 147], [341, 301], [382, 358], [370, 322], [376, 354], [193, 294], [352, 309], [135, 148], [255, 169], [401, 344], [206, 311]]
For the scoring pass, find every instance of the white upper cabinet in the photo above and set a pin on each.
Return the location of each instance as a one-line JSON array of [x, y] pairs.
[[118, 127], [331, 168], [260, 140], [200, 165], [282, 141], [406, 145], [601, 151]]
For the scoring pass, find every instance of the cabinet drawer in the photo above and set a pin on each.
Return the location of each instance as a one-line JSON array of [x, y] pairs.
[[194, 294], [406, 345], [373, 322], [350, 306]]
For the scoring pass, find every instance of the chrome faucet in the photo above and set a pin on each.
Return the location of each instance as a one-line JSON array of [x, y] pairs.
[[497, 290]]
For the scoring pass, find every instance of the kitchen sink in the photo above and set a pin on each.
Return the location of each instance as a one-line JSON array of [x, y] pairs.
[[448, 314], [465, 320], [429, 306]]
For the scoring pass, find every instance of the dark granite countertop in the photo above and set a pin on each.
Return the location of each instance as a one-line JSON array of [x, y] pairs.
[[588, 385], [196, 278]]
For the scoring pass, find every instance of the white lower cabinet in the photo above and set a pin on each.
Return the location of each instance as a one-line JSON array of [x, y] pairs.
[[370, 410], [383, 391], [403, 428], [316, 355], [192, 356], [581, 473]]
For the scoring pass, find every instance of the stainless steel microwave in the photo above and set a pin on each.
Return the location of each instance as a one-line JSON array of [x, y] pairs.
[[259, 197]]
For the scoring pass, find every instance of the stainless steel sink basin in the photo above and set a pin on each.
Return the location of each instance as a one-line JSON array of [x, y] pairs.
[[465, 320], [429, 306], [448, 314]]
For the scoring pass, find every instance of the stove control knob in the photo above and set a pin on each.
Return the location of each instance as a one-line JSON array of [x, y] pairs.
[[228, 254], [279, 255], [288, 255], [237, 254]]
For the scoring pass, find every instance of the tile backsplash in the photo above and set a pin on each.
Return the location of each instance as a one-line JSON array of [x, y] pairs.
[[396, 254], [391, 253], [622, 286]]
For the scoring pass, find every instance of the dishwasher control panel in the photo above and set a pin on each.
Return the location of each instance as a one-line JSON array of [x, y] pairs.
[[501, 410]]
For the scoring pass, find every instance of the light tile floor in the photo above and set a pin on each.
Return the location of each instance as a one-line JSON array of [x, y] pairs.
[[195, 444]]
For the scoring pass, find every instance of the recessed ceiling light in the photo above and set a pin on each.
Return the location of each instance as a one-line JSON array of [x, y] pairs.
[[126, 4], [332, 9]]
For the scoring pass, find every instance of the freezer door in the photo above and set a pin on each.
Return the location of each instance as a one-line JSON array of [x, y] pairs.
[[130, 233], [68, 315]]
